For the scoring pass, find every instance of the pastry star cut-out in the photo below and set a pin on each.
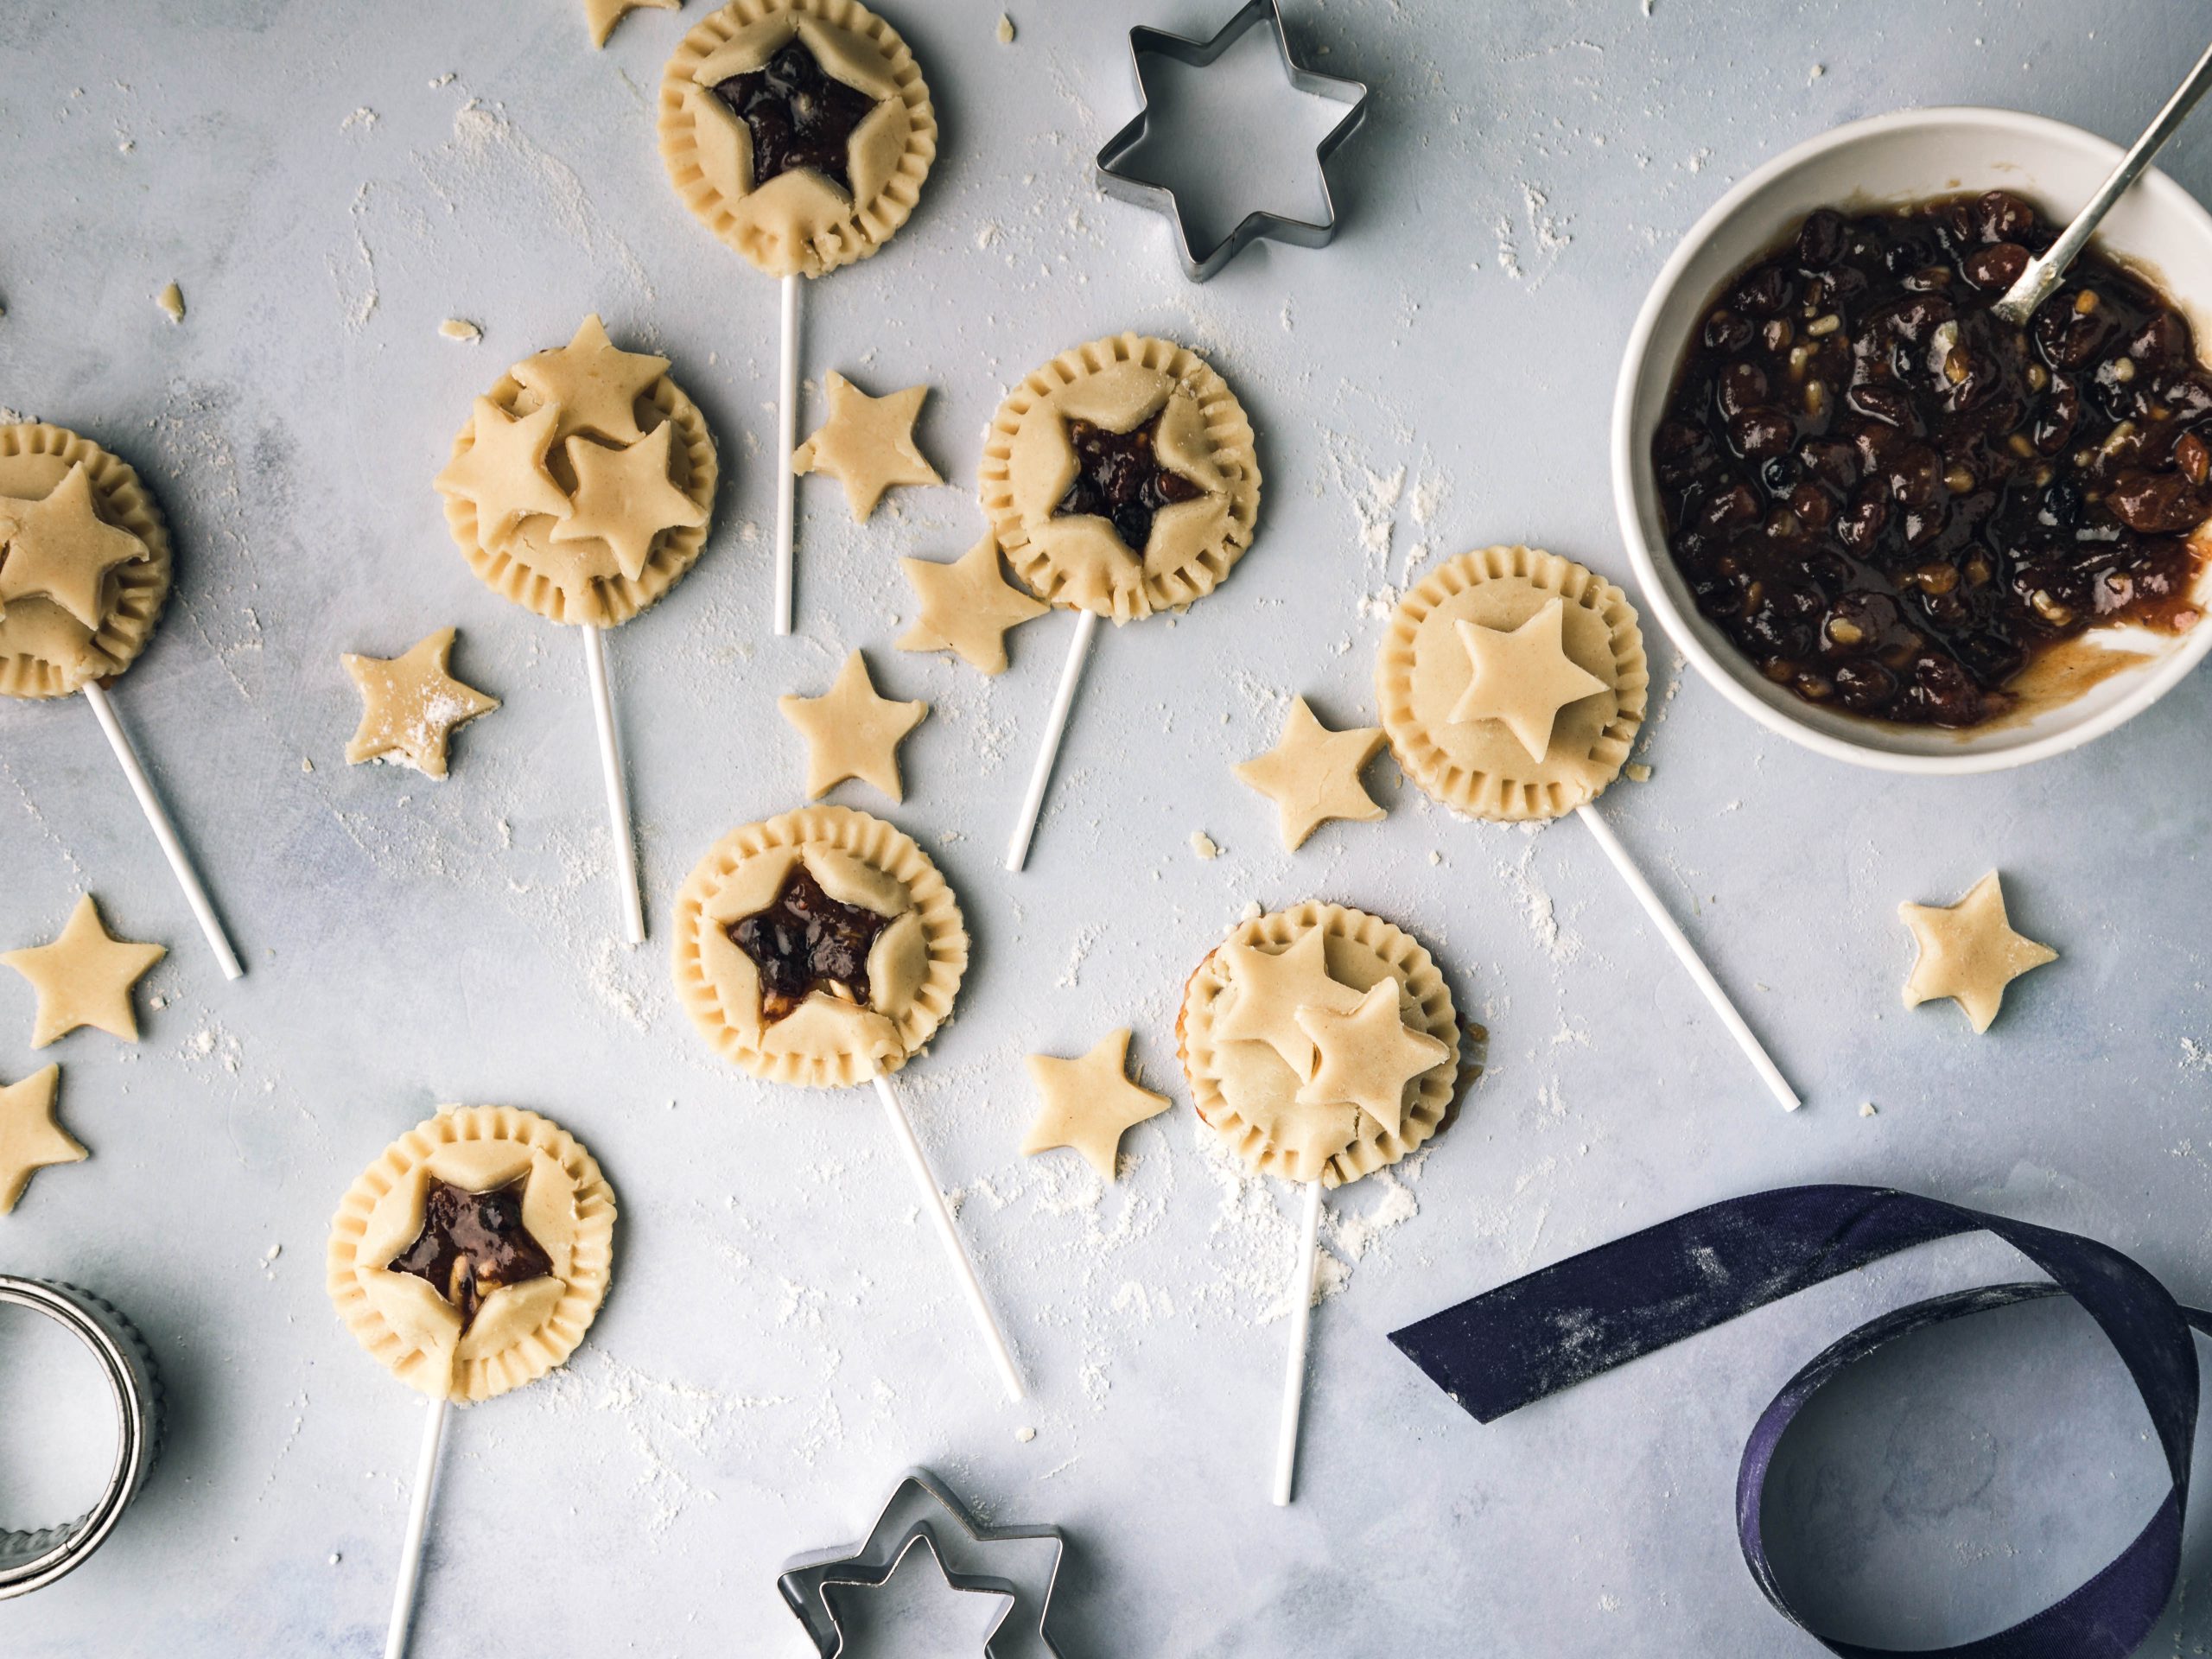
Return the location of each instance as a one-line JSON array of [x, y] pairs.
[[1969, 952], [504, 472], [601, 16], [1367, 1057], [1313, 774], [867, 443], [1272, 986], [84, 977], [624, 498], [30, 1139], [61, 548], [595, 383], [410, 705], [851, 732], [968, 604], [1523, 678], [1090, 1103]]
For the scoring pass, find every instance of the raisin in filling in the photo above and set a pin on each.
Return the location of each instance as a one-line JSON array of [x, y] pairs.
[[806, 940], [1892, 502], [798, 116], [472, 1243], [1120, 478]]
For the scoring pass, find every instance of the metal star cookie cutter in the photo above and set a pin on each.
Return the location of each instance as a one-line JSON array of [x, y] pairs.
[[921, 1511], [1199, 54]]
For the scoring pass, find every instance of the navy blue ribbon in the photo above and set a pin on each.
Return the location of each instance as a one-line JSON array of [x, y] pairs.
[[1587, 1314]]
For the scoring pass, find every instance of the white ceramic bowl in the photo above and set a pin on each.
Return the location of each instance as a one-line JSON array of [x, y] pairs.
[[1913, 154]]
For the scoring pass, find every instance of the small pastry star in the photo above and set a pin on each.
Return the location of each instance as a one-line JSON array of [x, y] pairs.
[[601, 16], [1089, 1103], [625, 499], [60, 548], [596, 384], [1272, 986], [1313, 774], [410, 705], [850, 732], [967, 607], [1969, 952], [1523, 678], [30, 1139], [867, 443], [84, 978], [504, 470], [1367, 1056]]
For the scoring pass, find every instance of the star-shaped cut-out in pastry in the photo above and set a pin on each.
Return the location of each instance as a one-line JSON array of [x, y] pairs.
[[851, 732], [410, 705], [1523, 677], [61, 549], [806, 941], [1090, 1103], [867, 443], [504, 471], [1313, 774], [1969, 952], [1272, 986], [625, 499], [601, 16], [472, 1243], [84, 977], [595, 381], [1367, 1057], [30, 1139], [968, 604]]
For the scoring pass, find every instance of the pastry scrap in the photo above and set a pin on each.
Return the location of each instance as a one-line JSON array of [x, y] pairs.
[[1321, 1042], [817, 947], [1490, 711], [84, 977], [601, 16], [1968, 952], [410, 705], [1121, 478], [84, 562], [967, 607], [472, 1256], [30, 1138], [867, 443], [1313, 774], [798, 131], [1090, 1103], [851, 732], [583, 485]]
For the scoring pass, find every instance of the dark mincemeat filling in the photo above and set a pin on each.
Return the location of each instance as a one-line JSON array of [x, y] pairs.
[[806, 939], [472, 1243], [1120, 479], [1891, 502], [798, 116]]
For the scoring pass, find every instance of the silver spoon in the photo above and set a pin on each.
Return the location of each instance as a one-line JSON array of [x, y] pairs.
[[2042, 275]]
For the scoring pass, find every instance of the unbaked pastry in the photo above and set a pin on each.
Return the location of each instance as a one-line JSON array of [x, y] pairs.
[[583, 483], [1478, 762], [411, 704], [842, 183], [1090, 1103], [84, 562], [867, 443], [1313, 774], [473, 1255], [84, 977], [824, 1005], [967, 607], [601, 16], [852, 731], [30, 1137], [1969, 952], [1301, 1109], [1121, 478]]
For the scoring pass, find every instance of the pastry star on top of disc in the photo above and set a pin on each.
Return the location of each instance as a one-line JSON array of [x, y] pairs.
[[1313, 774], [60, 548], [867, 443], [967, 607], [84, 977], [1272, 987], [851, 732], [1368, 1055], [1969, 952], [1523, 677], [595, 381], [504, 471], [624, 498], [1090, 1103]]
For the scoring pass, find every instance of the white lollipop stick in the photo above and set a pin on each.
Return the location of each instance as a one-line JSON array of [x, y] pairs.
[[618, 785], [418, 1524], [1048, 750], [941, 1212], [786, 441], [1301, 1329], [1685, 953], [164, 831]]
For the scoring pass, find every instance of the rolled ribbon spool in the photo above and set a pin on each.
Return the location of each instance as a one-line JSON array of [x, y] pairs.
[[31, 1561], [1594, 1311]]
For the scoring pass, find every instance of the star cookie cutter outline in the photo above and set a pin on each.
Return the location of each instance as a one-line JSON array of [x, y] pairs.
[[806, 1580], [1145, 41]]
